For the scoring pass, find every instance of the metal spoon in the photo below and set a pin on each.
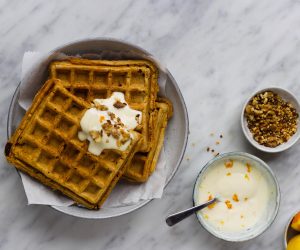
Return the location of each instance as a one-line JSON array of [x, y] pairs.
[[177, 217]]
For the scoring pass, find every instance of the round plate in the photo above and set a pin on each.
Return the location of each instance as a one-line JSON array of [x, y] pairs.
[[176, 133]]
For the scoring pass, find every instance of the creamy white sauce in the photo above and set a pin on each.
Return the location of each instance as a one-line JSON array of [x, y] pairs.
[[93, 120], [244, 194]]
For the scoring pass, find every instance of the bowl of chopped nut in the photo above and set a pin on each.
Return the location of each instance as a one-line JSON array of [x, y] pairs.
[[270, 119]]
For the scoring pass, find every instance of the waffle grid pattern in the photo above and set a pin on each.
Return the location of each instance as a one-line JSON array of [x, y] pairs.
[[143, 164], [51, 146], [90, 82]]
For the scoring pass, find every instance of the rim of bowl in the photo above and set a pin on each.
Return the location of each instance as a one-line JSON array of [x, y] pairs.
[[248, 134], [174, 82], [261, 162], [285, 242]]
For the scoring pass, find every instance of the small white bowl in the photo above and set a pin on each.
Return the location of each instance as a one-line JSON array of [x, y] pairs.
[[287, 96], [273, 205]]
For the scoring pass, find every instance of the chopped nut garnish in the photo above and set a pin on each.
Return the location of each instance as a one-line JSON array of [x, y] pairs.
[[107, 128], [100, 106], [245, 199], [118, 122], [228, 204], [221, 136], [235, 198], [216, 154], [271, 120], [119, 105], [212, 150], [96, 135], [207, 149], [125, 135], [116, 130], [217, 142], [248, 167], [111, 115], [229, 164], [115, 133], [242, 216]]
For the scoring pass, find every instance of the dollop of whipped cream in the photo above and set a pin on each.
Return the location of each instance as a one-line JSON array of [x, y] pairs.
[[108, 124]]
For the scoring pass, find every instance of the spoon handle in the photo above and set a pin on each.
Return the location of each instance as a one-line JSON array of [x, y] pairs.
[[177, 217]]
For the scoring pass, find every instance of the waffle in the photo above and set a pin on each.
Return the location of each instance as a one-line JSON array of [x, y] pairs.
[[166, 101], [46, 147], [143, 164], [90, 79]]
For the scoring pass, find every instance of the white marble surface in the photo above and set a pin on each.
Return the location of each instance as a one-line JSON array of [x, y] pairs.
[[218, 51]]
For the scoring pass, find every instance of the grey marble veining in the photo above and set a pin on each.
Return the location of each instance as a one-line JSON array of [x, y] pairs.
[[218, 51]]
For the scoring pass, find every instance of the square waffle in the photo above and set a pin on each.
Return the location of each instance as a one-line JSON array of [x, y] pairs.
[[46, 146], [143, 164], [91, 79]]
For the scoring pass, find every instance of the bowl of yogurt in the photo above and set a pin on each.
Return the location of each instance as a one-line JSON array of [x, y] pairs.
[[248, 194]]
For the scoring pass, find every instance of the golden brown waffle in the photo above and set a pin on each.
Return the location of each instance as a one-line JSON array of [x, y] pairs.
[[143, 164], [46, 147], [168, 102], [90, 79]]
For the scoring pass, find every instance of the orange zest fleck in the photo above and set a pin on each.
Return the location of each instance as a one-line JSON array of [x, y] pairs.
[[235, 198], [228, 204], [228, 174], [229, 164], [247, 177], [210, 197], [211, 206], [248, 167], [102, 118]]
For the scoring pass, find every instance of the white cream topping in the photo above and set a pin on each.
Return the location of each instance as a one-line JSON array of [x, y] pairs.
[[244, 193], [113, 112]]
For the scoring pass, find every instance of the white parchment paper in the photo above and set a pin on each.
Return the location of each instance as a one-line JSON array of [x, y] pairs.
[[34, 74]]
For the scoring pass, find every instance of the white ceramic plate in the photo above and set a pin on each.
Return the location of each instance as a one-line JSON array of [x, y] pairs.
[[287, 96], [174, 145]]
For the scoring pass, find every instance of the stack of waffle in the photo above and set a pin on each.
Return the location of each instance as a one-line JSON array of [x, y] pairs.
[[46, 144]]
